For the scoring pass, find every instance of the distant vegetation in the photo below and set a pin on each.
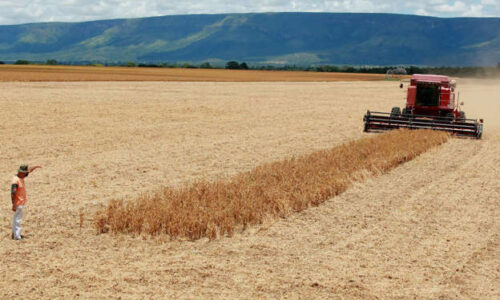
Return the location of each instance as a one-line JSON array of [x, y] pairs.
[[21, 62], [206, 65], [450, 71], [235, 65]]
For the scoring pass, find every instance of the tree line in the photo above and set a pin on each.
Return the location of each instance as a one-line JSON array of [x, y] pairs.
[[470, 71]]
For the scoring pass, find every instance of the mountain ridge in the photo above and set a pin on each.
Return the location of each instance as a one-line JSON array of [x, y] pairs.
[[262, 38]]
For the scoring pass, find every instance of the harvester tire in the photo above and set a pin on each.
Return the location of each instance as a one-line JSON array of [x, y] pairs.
[[450, 116], [395, 112], [462, 115]]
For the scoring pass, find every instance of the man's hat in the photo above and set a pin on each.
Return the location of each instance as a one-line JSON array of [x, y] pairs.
[[23, 169]]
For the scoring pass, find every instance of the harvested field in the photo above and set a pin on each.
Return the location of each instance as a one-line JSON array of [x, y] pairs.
[[82, 73], [214, 209], [427, 229]]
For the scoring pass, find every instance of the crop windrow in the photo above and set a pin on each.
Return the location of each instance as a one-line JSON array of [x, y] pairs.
[[211, 209]]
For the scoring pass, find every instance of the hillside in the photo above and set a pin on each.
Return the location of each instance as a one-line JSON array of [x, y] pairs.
[[272, 38]]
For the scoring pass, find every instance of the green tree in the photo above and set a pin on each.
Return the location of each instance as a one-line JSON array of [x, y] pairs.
[[51, 62], [21, 62], [498, 66], [188, 66], [244, 66], [348, 69], [130, 64], [205, 65], [2, 63], [233, 65]]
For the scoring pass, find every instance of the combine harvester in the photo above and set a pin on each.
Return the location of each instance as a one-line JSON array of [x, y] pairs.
[[430, 104]]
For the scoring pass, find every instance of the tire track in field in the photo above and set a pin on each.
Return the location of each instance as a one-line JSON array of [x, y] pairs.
[[432, 230], [477, 275], [480, 271], [416, 187]]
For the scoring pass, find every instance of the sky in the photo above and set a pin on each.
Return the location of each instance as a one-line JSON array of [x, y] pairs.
[[33, 11]]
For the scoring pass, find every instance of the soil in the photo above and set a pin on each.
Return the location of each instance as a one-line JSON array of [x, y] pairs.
[[428, 229]]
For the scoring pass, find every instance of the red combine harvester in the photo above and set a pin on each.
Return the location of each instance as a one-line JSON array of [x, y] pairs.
[[430, 104]]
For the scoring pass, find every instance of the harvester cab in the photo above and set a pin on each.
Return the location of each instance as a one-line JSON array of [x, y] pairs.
[[431, 103]]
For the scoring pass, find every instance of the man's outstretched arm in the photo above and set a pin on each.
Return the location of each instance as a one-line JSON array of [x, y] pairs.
[[33, 168]]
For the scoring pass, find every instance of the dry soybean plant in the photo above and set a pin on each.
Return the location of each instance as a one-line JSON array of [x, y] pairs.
[[211, 209]]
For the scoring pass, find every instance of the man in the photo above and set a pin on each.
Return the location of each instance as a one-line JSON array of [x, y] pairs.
[[18, 196]]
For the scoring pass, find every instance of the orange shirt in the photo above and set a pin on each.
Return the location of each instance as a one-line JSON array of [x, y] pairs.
[[20, 196]]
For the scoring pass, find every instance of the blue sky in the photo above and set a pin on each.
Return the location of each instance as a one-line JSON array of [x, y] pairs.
[[28, 11]]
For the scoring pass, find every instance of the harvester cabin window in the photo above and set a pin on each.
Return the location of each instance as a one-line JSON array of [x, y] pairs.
[[427, 95]]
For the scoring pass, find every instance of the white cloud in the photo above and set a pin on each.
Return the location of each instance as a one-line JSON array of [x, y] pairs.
[[24, 11], [453, 8], [474, 11], [422, 12]]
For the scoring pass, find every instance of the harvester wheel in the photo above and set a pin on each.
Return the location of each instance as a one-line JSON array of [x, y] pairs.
[[395, 112], [406, 112], [462, 115], [450, 116]]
